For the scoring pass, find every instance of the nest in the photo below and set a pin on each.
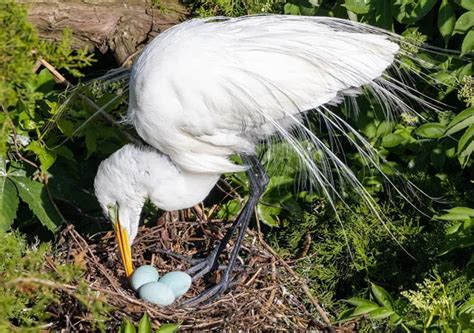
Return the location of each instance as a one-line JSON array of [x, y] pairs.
[[266, 293]]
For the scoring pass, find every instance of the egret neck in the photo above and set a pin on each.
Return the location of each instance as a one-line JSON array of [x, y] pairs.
[[134, 174]]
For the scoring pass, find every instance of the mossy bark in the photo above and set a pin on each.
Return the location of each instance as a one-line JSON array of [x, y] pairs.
[[121, 27]]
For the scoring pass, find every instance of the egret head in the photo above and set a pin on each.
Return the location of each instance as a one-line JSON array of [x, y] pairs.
[[119, 188], [134, 174]]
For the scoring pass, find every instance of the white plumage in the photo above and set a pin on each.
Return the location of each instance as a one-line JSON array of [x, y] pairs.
[[207, 89], [133, 174]]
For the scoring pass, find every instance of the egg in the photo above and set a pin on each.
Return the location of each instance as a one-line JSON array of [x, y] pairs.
[[157, 293], [143, 275], [179, 282]]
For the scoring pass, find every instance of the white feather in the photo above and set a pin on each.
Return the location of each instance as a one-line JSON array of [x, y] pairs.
[[210, 88], [207, 89]]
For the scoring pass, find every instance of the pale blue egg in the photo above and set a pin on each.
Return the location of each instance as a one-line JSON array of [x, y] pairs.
[[179, 282], [143, 275], [156, 293]]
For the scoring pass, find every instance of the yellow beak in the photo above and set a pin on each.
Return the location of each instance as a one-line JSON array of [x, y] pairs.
[[124, 247], [122, 239]]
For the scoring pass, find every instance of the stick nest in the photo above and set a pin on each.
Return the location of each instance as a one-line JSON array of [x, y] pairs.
[[266, 293]]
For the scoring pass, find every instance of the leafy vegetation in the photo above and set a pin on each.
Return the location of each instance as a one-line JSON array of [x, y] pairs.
[[28, 288], [144, 326], [413, 273]]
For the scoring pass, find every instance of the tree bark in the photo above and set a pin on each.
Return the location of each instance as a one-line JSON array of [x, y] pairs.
[[122, 27]]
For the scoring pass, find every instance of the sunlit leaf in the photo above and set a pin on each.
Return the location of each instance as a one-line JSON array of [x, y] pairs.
[[35, 195], [430, 130], [45, 156], [8, 202], [127, 327], [357, 6], [466, 145], [144, 326], [468, 43], [381, 295], [364, 309], [380, 313], [464, 23], [168, 328], [392, 140], [467, 4], [358, 301], [461, 121]]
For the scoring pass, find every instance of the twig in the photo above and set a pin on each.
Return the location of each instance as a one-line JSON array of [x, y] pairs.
[[301, 281]]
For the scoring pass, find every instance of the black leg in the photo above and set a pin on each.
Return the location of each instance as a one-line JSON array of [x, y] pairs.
[[258, 180]]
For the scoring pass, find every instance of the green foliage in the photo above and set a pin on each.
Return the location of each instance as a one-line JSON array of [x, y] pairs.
[[461, 233], [36, 120], [48, 158], [29, 288], [144, 326], [435, 305], [342, 256], [206, 8]]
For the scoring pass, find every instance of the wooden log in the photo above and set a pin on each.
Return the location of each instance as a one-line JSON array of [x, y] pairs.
[[122, 27]]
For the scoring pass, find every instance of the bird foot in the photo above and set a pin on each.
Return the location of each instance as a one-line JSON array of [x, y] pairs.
[[204, 266], [208, 295]]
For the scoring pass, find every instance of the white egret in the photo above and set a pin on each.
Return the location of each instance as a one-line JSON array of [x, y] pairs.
[[207, 89]]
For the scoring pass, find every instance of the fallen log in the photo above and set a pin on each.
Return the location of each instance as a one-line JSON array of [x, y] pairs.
[[121, 27]]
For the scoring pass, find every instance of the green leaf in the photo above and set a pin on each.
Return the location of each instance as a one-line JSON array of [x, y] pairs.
[[364, 309], [8, 202], [466, 145], [468, 43], [357, 6], [127, 327], [300, 7], [430, 130], [381, 295], [452, 217], [44, 81], [66, 127], [467, 4], [392, 140], [168, 328], [395, 319], [229, 209], [381, 313], [464, 23], [458, 236], [383, 15], [410, 11], [462, 210], [4, 134], [446, 20], [144, 326], [359, 301], [46, 157], [35, 195], [269, 214], [467, 307], [461, 121]]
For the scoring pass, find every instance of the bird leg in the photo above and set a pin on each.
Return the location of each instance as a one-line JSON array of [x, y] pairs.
[[258, 180]]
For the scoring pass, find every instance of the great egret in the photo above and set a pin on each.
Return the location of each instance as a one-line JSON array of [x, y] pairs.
[[207, 89]]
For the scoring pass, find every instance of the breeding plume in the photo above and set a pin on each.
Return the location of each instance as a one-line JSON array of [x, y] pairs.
[[208, 89]]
